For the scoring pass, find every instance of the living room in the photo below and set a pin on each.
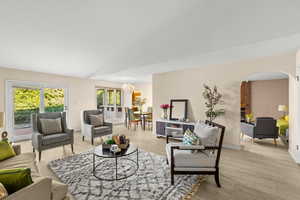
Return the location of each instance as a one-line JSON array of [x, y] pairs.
[[107, 100]]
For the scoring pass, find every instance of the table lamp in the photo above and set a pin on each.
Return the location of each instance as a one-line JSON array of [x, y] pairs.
[[282, 108]]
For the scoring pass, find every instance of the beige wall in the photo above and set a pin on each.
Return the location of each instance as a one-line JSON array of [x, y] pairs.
[[146, 91], [81, 91], [188, 84], [266, 95]]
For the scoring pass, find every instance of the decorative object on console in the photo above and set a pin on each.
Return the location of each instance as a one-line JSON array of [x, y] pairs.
[[164, 108], [178, 109], [213, 98]]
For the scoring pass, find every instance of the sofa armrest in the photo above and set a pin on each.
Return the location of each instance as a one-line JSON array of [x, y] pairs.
[[40, 189], [71, 133], [108, 124], [37, 140]]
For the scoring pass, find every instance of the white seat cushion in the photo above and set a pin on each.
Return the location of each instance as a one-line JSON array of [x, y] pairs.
[[189, 159]]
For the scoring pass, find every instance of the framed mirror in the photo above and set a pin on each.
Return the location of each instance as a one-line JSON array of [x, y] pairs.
[[178, 110]]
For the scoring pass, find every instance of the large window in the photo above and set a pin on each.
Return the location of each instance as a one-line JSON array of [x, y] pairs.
[[100, 97], [118, 97], [109, 97]]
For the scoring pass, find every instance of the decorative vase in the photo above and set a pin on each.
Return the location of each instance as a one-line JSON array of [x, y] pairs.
[[164, 114]]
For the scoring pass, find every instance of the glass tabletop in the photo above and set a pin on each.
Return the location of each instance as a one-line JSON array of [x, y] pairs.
[[100, 152]]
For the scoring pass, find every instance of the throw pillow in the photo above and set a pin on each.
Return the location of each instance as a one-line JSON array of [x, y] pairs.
[[190, 138], [51, 126], [3, 192], [15, 179], [97, 120], [6, 150], [208, 135]]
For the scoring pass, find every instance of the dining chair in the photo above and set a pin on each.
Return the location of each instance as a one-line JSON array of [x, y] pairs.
[[133, 119]]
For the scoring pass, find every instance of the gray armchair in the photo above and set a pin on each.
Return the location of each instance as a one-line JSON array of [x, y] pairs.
[[265, 127], [90, 131], [42, 141]]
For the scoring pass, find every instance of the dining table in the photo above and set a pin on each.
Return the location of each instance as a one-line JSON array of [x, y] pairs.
[[143, 117]]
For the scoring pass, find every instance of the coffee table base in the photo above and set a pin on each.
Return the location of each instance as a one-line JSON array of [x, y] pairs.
[[96, 166]]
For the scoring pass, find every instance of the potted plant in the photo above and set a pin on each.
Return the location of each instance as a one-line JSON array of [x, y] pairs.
[[164, 108], [213, 99]]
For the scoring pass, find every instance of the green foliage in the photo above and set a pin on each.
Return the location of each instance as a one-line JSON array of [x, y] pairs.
[[213, 98], [27, 101]]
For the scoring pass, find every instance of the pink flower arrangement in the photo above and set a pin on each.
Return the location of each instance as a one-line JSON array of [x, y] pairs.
[[165, 106]]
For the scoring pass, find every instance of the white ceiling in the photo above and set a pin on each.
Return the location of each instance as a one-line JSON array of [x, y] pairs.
[[128, 40]]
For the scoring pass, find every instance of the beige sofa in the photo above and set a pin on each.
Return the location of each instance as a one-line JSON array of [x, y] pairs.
[[42, 188]]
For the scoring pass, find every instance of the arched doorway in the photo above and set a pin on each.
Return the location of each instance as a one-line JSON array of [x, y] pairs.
[[264, 109]]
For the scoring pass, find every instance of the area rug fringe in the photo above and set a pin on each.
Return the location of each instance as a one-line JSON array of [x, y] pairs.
[[195, 188]]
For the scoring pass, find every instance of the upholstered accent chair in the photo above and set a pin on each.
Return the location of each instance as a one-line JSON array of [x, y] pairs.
[[265, 127], [42, 141], [195, 159], [91, 131]]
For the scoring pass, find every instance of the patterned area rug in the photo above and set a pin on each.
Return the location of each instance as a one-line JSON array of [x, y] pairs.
[[152, 180]]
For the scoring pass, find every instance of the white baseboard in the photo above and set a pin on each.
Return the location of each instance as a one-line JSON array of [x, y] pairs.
[[232, 146], [295, 157]]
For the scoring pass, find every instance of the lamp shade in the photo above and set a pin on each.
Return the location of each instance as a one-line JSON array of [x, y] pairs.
[[282, 108], [1, 119]]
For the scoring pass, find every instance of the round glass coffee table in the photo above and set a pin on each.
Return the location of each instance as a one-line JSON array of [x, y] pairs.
[[119, 165]]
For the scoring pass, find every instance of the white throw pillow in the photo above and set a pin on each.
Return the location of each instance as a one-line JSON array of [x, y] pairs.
[[208, 135]]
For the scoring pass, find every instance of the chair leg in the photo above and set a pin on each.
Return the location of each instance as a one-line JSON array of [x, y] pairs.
[[40, 155], [217, 178], [72, 148], [33, 150], [92, 141], [275, 142], [172, 178], [82, 138]]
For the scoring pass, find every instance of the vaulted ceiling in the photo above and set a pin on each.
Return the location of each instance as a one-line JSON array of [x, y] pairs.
[[128, 40]]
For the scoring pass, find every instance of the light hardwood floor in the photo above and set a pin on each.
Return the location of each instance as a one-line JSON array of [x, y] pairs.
[[259, 171]]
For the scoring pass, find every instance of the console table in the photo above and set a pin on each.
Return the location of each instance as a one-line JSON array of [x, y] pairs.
[[172, 125]]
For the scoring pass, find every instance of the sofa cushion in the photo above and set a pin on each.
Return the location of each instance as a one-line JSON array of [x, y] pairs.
[[51, 126], [187, 159], [208, 135], [24, 160], [54, 138], [190, 138], [59, 190], [15, 179], [101, 129], [6, 150]]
